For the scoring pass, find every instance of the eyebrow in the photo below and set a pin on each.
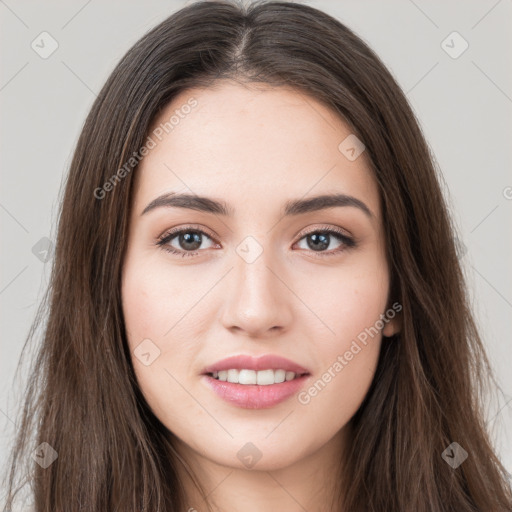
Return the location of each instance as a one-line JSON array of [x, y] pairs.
[[291, 207]]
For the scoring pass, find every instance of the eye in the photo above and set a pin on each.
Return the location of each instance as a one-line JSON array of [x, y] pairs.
[[188, 240], [320, 240]]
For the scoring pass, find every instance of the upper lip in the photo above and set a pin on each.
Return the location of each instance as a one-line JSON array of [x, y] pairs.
[[265, 362]]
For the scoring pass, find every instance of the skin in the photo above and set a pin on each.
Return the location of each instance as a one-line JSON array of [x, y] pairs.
[[255, 147]]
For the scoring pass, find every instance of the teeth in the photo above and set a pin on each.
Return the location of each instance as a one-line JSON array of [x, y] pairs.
[[233, 376], [247, 377], [262, 377]]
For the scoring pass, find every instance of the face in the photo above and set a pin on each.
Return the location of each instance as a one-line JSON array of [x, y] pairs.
[[256, 270]]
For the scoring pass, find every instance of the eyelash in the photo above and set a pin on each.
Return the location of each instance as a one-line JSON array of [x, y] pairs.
[[347, 242]]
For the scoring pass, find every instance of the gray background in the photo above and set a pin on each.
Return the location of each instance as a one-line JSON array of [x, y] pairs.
[[464, 105]]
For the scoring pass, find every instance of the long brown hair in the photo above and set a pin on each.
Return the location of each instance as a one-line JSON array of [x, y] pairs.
[[82, 397]]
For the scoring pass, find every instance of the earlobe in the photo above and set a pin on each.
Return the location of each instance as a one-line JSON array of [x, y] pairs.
[[393, 326]]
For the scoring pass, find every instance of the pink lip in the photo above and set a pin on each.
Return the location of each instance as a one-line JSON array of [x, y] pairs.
[[254, 396], [266, 362]]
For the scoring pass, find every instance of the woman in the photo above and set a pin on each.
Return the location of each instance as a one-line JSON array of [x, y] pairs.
[[256, 302]]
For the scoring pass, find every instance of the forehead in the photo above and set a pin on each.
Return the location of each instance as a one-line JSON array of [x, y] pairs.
[[253, 142]]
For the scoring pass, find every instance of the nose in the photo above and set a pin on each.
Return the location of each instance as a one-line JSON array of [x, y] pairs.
[[258, 300]]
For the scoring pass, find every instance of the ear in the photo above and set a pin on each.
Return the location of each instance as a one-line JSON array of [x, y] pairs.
[[393, 326]]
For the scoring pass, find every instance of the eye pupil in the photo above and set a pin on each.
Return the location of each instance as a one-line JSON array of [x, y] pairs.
[[190, 238], [318, 241]]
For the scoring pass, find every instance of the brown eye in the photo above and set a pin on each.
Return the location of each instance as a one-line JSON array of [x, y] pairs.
[[320, 240], [184, 242]]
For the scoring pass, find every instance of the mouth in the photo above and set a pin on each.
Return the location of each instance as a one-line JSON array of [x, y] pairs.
[[253, 382], [251, 394]]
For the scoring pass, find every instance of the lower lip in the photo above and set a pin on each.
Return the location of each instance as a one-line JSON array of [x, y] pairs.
[[252, 396]]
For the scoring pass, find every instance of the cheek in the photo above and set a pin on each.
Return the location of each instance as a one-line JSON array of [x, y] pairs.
[[154, 299], [163, 315], [152, 311], [350, 307], [346, 301], [142, 310]]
